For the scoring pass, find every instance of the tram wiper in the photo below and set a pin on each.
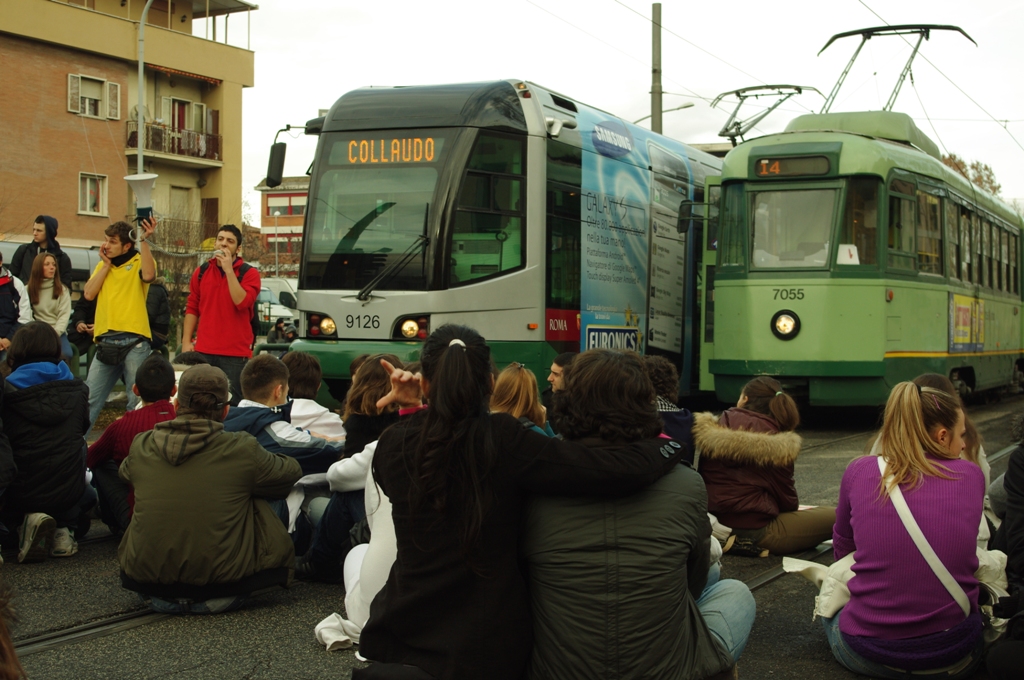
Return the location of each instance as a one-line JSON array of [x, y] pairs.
[[397, 266]]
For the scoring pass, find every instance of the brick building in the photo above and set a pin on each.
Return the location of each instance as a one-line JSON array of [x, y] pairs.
[[70, 125], [282, 211]]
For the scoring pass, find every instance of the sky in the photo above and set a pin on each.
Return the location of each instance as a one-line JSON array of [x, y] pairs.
[[310, 52]]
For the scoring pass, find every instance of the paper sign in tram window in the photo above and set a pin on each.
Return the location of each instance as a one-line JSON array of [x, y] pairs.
[[847, 254]]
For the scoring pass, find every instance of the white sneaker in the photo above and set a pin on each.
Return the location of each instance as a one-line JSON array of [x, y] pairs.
[[36, 534], [63, 544]]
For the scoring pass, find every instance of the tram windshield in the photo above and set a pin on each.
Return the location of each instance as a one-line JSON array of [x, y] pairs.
[[369, 209], [791, 229]]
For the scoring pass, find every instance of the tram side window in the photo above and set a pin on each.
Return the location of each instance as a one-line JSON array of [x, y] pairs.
[[902, 221], [967, 263], [733, 232], [564, 231], [929, 234], [1004, 261], [1014, 282], [986, 252], [952, 239], [488, 235], [860, 220]]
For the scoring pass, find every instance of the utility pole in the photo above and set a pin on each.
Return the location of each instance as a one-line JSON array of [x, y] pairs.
[[656, 68]]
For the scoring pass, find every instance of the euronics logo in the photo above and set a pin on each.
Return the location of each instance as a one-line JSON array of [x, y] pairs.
[[613, 337]]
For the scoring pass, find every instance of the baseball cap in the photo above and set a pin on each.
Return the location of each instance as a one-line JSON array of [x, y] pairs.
[[203, 379]]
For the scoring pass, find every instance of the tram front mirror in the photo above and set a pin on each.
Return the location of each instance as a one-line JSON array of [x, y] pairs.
[[275, 168], [688, 211]]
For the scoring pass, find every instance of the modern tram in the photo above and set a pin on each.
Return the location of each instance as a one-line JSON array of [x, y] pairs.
[[546, 224], [851, 258]]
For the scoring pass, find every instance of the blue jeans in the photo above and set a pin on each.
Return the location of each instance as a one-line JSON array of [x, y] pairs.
[[850, 660], [65, 347], [331, 540], [102, 377], [728, 609]]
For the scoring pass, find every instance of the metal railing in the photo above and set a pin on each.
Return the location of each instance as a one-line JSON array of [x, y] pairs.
[[163, 139]]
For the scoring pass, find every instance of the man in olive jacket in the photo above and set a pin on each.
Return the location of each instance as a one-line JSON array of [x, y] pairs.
[[202, 537]]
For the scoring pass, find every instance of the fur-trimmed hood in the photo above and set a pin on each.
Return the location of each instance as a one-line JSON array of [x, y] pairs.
[[739, 446]]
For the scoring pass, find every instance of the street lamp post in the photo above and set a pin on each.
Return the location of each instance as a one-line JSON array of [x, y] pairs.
[[277, 237], [141, 182]]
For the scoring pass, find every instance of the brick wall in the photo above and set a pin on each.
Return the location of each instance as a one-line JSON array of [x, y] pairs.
[[43, 147]]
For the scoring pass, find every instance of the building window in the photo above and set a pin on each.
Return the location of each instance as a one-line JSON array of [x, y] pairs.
[[94, 97], [92, 194], [284, 205]]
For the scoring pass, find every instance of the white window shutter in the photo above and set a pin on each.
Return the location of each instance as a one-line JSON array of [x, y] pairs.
[[114, 101], [74, 93], [165, 113], [199, 117]]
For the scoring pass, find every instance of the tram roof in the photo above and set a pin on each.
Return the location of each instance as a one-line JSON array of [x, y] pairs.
[[891, 125]]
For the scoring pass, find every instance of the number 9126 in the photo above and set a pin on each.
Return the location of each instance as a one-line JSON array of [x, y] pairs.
[[362, 321]]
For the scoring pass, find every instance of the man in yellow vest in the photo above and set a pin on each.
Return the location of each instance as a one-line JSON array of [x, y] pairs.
[[121, 332]]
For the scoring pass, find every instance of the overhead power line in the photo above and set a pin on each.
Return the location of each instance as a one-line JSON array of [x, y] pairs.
[[960, 89]]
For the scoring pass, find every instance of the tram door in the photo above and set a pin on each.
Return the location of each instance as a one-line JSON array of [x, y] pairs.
[[708, 249], [670, 301]]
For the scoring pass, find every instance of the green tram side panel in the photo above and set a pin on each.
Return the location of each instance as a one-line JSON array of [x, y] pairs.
[[853, 346]]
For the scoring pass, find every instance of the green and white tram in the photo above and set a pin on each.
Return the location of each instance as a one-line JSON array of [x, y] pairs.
[[546, 224], [850, 258]]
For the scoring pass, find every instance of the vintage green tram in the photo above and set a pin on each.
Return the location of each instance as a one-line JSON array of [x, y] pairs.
[[851, 258]]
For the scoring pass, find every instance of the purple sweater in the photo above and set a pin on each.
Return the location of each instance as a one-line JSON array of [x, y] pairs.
[[894, 594]]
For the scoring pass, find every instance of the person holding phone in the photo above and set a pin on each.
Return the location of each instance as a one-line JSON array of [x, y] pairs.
[[222, 293], [119, 285]]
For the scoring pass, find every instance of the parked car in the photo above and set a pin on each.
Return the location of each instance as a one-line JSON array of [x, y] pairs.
[[270, 309]]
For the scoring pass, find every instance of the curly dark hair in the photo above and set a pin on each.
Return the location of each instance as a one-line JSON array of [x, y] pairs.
[[607, 395], [663, 375]]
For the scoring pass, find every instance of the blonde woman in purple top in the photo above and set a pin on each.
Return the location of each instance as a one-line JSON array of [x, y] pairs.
[[900, 617]]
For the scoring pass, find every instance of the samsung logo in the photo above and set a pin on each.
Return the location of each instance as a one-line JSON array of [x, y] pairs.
[[611, 138]]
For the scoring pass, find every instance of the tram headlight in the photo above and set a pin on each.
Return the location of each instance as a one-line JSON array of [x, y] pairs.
[[410, 328], [327, 326], [785, 324]]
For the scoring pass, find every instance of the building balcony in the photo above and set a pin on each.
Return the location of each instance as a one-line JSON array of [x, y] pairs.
[[186, 148]]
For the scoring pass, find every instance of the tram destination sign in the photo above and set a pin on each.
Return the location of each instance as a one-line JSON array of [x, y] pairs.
[[791, 167], [380, 150]]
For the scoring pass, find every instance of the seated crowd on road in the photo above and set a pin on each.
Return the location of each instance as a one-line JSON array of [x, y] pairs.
[[476, 526]]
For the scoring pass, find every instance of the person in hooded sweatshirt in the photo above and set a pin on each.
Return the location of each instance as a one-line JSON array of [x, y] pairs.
[[46, 417], [676, 422], [747, 458], [51, 299], [203, 537], [44, 240]]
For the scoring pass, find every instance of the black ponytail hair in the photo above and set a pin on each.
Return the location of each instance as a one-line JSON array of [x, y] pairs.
[[453, 457]]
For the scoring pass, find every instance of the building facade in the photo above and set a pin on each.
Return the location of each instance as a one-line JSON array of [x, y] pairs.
[[71, 125], [282, 211]]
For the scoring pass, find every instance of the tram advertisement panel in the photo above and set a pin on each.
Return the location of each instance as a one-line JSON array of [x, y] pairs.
[[966, 323], [615, 191]]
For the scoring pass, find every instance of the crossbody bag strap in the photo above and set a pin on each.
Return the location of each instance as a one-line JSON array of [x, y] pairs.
[[900, 503]]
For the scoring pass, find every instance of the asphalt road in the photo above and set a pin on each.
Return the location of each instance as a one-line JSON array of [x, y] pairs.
[[273, 636]]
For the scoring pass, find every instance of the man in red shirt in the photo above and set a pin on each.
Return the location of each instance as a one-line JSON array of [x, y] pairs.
[[154, 385], [221, 297]]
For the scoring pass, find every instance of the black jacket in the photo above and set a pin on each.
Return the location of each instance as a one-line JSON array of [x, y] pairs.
[[454, 621], [84, 312], [8, 470], [46, 425], [21, 263], [1010, 537], [159, 311], [360, 430]]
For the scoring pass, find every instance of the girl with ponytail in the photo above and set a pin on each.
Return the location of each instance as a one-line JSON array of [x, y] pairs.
[[900, 618], [455, 604], [747, 458]]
